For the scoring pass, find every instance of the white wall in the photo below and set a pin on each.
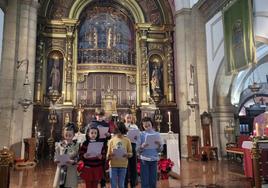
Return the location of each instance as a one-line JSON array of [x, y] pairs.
[[1, 33], [261, 18], [215, 50]]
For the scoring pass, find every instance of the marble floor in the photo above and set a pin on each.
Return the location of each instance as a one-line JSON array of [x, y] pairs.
[[194, 174]]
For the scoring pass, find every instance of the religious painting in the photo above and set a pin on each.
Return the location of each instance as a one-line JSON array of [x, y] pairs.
[[54, 71], [156, 75], [106, 35]]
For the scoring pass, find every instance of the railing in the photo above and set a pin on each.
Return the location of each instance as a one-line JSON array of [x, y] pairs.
[[109, 56]]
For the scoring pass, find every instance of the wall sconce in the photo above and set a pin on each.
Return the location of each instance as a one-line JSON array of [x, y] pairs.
[[27, 98], [254, 87], [192, 103]]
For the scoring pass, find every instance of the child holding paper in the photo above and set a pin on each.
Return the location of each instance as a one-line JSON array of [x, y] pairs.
[[92, 168], [132, 161], [149, 154], [119, 150], [103, 127], [66, 174]]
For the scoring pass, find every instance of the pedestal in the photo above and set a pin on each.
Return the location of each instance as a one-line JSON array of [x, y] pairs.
[[173, 152]]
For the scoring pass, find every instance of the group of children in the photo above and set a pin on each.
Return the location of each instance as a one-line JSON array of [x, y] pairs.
[[91, 168]]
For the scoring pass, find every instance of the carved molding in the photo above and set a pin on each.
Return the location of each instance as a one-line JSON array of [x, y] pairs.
[[155, 46], [208, 8], [131, 79], [32, 3]]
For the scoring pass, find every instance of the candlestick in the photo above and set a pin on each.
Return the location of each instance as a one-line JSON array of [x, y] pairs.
[[169, 128], [257, 129], [169, 118]]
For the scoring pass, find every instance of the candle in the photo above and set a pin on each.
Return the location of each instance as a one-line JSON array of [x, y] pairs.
[[169, 119], [257, 129]]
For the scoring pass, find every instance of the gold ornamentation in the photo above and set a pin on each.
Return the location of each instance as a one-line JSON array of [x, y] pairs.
[[6, 157], [155, 46], [131, 79], [81, 78]]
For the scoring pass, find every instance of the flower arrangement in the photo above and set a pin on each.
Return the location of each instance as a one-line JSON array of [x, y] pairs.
[[164, 167]]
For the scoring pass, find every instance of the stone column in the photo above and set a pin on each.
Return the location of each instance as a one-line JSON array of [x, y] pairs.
[[22, 30], [200, 60], [183, 38], [221, 117], [8, 69]]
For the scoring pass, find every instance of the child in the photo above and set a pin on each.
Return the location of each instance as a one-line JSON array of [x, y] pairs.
[[118, 164], [100, 122], [92, 171], [149, 157], [132, 161], [66, 174]]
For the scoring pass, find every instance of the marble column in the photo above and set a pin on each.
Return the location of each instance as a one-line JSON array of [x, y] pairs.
[[18, 122]]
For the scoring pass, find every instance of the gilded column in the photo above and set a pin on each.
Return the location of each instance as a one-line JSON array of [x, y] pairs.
[[144, 68], [256, 155], [39, 69], [170, 71], [70, 27]]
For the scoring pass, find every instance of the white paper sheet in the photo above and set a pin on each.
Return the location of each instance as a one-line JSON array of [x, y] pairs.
[[62, 159], [103, 131], [133, 135], [119, 153], [80, 137], [94, 148], [151, 139]]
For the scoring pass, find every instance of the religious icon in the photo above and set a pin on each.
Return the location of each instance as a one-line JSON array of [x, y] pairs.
[[55, 77], [155, 79]]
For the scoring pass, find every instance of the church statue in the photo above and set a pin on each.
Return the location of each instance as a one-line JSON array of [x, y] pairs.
[[95, 37], [155, 80], [55, 77]]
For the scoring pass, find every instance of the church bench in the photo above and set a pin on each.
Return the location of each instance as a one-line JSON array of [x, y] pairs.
[[236, 149]]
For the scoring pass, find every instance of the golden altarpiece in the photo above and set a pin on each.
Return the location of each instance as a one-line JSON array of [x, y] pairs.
[[87, 48]]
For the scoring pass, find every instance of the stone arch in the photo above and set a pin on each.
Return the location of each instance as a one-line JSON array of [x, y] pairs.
[[132, 6], [152, 11]]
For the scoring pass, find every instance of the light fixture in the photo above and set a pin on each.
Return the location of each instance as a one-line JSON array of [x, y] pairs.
[[192, 103], [254, 87], [27, 94]]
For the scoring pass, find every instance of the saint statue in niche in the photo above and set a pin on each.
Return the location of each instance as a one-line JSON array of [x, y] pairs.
[[55, 76], [156, 79]]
